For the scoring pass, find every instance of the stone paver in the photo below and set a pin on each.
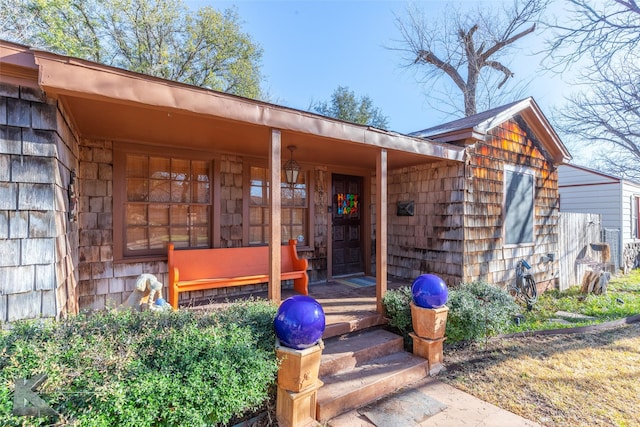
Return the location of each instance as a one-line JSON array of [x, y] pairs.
[[462, 409]]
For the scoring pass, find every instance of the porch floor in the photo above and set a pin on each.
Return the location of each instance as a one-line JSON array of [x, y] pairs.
[[345, 306]]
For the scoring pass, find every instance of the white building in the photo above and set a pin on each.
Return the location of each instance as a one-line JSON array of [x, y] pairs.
[[615, 199]]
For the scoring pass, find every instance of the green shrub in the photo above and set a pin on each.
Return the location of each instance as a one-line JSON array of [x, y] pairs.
[[478, 310], [128, 368], [396, 306]]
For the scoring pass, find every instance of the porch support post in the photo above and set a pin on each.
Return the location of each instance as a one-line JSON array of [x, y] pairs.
[[381, 228], [275, 239]]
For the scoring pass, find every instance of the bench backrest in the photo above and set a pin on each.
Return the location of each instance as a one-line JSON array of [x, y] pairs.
[[228, 262]]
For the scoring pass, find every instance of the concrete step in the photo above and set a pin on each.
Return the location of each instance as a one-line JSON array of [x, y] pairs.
[[369, 320], [367, 382], [346, 352]]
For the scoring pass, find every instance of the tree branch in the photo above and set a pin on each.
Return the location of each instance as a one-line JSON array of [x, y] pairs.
[[502, 43], [428, 57], [503, 69]]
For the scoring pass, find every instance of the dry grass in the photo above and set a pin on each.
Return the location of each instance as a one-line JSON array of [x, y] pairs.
[[590, 379]]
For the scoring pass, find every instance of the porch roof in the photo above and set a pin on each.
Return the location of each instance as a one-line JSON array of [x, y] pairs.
[[110, 103]]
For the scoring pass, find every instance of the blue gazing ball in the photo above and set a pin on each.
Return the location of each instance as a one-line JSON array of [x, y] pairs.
[[429, 291], [300, 322], [160, 301]]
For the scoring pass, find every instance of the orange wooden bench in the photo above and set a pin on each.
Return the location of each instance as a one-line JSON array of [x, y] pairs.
[[199, 269]]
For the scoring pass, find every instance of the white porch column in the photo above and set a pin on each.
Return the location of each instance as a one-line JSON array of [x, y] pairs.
[[381, 228], [275, 231]]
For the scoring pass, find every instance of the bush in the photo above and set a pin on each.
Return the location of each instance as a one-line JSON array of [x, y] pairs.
[[478, 310], [129, 368], [397, 309]]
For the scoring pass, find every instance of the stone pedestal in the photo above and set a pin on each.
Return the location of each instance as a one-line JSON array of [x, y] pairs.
[[429, 325], [297, 409], [429, 322], [298, 385], [430, 350], [298, 368]]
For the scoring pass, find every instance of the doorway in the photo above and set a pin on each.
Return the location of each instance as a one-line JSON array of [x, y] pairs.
[[347, 210]]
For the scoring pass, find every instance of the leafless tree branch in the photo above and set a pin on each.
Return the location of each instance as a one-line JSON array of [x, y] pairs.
[[466, 45]]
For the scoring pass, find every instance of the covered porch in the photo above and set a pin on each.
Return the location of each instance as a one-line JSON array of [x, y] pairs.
[[131, 109], [122, 142]]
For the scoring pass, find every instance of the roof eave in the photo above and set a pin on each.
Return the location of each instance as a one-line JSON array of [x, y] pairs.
[[75, 77]]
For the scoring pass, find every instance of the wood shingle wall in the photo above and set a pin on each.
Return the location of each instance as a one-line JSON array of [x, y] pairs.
[[486, 257], [430, 241], [38, 239], [457, 228]]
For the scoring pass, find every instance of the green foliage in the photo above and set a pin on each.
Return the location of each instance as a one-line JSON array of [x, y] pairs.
[[346, 106], [255, 315], [161, 38], [129, 368], [397, 309], [396, 306], [478, 310]]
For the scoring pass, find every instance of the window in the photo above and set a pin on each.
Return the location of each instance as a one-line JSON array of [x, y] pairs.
[[518, 206], [294, 200], [166, 199], [635, 220]]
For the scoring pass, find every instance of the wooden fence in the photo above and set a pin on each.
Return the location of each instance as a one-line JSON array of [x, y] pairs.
[[577, 232]]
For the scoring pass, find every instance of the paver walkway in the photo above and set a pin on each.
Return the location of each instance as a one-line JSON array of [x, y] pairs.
[[461, 409]]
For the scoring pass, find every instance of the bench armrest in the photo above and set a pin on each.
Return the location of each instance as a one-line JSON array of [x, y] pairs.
[[174, 277], [299, 264]]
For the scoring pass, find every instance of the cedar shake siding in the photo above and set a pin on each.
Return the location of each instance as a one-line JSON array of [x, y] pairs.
[[432, 240], [487, 257], [38, 239]]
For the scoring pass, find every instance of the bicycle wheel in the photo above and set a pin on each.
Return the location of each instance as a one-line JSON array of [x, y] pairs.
[[529, 291]]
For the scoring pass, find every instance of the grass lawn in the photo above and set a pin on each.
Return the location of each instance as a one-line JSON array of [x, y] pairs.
[[588, 379]]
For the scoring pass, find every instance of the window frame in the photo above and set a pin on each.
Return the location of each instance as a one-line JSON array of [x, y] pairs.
[[519, 170], [309, 211], [120, 152], [635, 216]]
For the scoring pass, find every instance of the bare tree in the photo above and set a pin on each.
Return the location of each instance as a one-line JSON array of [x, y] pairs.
[[604, 38], [468, 47], [596, 30]]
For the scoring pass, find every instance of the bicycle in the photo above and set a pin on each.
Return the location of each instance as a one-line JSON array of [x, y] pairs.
[[525, 285]]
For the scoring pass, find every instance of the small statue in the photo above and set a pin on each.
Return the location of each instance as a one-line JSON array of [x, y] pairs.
[[147, 294]]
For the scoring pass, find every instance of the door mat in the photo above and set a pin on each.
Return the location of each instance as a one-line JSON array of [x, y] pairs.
[[408, 408], [358, 282]]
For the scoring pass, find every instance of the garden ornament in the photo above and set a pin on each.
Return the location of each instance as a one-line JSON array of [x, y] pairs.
[[147, 294]]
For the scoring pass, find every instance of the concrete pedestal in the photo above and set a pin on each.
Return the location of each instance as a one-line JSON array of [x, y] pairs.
[[430, 350], [429, 322], [429, 325], [297, 409], [298, 368], [298, 385]]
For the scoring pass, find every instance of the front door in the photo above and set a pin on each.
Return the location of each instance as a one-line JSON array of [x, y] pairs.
[[347, 225]]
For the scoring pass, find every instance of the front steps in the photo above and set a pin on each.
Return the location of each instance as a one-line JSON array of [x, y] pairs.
[[362, 367]]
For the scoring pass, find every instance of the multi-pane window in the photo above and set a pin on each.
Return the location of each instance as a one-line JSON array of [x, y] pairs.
[[167, 199], [519, 207], [294, 208]]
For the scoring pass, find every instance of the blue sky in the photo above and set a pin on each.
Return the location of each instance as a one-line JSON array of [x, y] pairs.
[[312, 47]]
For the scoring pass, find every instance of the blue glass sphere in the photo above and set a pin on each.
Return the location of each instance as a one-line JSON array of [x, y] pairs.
[[429, 291], [300, 322]]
